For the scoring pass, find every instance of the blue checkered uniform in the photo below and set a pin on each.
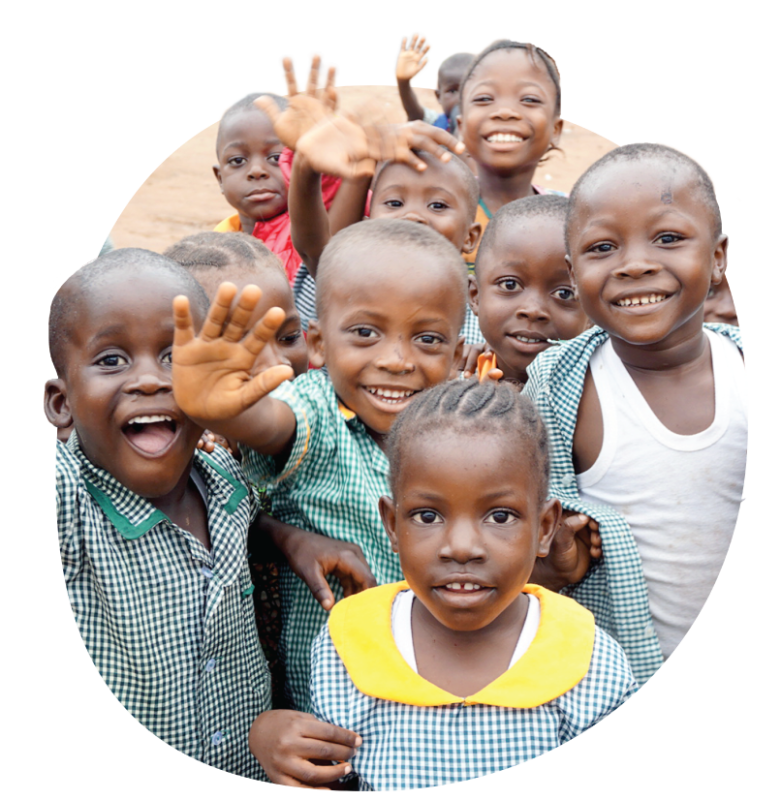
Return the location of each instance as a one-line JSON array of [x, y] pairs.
[[169, 625], [331, 484], [415, 746], [614, 589]]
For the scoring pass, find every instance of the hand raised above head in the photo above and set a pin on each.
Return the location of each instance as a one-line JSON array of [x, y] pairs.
[[303, 111], [212, 371], [411, 59]]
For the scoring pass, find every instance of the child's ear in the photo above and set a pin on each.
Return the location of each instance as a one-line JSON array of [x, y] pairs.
[[558, 126], [719, 260], [436, 94], [314, 345], [55, 404], [459, 127], [474, 293], [217, 175], [472, 235], [568, 259], [550, 516], [388, 514]]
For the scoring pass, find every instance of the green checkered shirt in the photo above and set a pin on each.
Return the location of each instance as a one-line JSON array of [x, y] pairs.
[[614, 589], [331, 484], [169, 625]]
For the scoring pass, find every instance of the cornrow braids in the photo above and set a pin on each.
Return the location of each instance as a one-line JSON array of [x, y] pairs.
[[534, 53], [218, 250], [468, 406]]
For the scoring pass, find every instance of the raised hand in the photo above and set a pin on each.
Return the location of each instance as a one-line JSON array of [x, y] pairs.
[[211, 372], [411, 59], [303, 111], [342, 147]]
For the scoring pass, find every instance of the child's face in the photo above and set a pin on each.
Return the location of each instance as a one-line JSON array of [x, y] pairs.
[[643, 253], [468, 525], [448, 87], [288, 345], [523, 293], [248, 172], [508, 118], [719, 305], [390, 330], [118, 382], [437, 197]]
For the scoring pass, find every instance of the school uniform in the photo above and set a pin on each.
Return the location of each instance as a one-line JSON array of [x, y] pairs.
[[416, 734], [169, 624]]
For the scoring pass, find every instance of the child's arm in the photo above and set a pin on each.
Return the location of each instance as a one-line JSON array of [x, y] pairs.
[[411, 61], [290, 746], [211, 372], [312, 557]]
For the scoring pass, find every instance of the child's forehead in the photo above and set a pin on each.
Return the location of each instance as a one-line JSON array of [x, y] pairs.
[[244, 122], [438, 174], [508, 64]]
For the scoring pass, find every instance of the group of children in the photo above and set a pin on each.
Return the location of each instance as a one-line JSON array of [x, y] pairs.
[[480, 441]]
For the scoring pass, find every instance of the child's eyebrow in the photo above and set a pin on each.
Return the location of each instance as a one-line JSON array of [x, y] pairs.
[[112, 332]]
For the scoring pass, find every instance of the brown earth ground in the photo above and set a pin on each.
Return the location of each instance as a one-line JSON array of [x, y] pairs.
[[182, 197]]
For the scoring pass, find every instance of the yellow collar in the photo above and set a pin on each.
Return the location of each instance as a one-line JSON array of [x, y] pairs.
[[347, 413], [557, 659]]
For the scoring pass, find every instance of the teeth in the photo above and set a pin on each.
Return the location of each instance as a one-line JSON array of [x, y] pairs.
[[530, 341], [150, 418], [504, 137], [464, 587], [390, 395], [643, 300]]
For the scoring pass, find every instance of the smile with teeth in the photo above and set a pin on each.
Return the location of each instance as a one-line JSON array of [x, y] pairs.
[[149, 419], [390, 395], [527, 340], [464, 587], [504, 137], [642, 300]]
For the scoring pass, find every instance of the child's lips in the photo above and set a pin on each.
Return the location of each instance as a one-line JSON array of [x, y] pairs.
[[261, 196], [641, 301], [151, 434], [528, 342], [395, 397]]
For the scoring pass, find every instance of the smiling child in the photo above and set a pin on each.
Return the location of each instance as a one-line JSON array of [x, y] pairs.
[[521, 290], [647, 411], [391, 297], [465, 668]]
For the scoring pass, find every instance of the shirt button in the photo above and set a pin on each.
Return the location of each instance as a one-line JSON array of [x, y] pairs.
[[206, 572], [216, 738], [649, 631], [569, 480], [210, 664]]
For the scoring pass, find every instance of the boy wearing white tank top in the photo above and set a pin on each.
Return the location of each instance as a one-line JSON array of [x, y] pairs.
[[647, 412]]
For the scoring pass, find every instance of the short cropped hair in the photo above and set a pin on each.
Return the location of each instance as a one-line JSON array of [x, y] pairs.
[[64, 307], [216, 251], [361, 238], [661, 154], [552, 206], [468, 406], [456, 61], [248, 104], [534, 53], [455, 163]]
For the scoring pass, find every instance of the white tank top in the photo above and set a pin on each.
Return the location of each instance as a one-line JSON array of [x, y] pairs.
[[679, 494]]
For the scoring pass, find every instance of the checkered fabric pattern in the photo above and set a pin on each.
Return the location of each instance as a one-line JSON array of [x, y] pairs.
[[169, 625], [411, 747], [614, 589], [304, 295], [331, 485]]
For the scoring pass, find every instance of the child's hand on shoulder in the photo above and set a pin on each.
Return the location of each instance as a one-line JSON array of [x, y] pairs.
[[303, 111], [211, 372], [209, 441], [291, 746], [411, 59], [575, 544]]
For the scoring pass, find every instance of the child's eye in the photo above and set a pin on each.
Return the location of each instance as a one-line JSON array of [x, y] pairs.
[[530, 99], [166, 358], [668, 238], [429, 339], [274, 158], [564, 293], [482, 98], [509, 284], [290, 338], [711, 293], [363, 332], [393, 203], [438, 205], [112, 360], [600, 247], [501, 516], [426, 517], [237, 161]]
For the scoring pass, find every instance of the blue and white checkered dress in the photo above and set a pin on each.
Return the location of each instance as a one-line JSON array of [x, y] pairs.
[[169, 625], [411, 746], [614, 589]]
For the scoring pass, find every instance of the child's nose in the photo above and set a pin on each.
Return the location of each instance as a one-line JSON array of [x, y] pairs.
[[637, 263], [413, 215], [395, 357], [258, 169], [506, 112], [532, 305], [462, 543], [148, 378]]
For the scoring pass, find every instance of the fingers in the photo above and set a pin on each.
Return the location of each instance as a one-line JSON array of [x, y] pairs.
[[266, 382], [314, 76], [329, 93], [218, 312], [268, 106], [321, 591], [183, 321], [305, 774], [290, 77], [354, 573], [237, 324], [265, 329]]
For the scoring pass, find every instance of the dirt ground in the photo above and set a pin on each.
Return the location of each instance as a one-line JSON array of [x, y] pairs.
[[182, 197]]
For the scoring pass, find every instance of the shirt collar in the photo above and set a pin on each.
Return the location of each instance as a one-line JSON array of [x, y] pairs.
[[133, 515], [556, 661]]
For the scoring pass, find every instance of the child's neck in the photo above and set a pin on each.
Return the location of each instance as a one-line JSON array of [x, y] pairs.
[[676, 352], [498, 190], [464, 662], [184, 506]]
